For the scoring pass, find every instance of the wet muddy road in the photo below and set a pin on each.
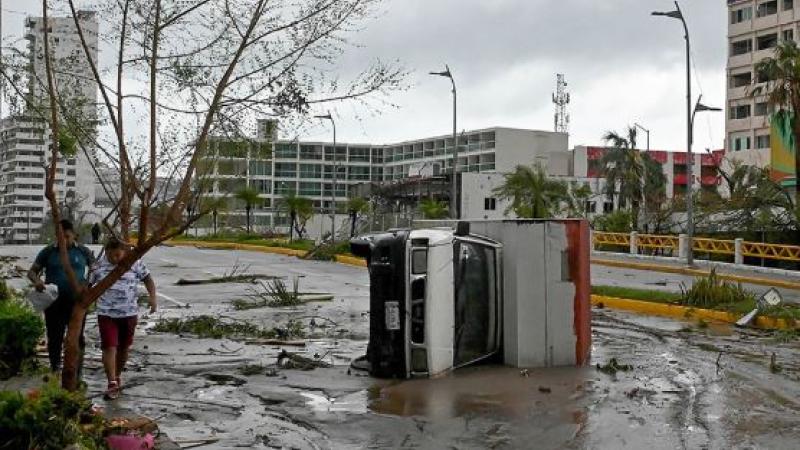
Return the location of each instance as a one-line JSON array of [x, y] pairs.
[[687, 388]]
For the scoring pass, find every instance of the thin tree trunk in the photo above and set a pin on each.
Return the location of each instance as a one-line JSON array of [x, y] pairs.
[[353, 218], [291, 226], [248, 219]]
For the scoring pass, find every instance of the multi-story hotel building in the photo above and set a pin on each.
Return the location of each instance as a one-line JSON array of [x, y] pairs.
[[755, 27], [276, 168]]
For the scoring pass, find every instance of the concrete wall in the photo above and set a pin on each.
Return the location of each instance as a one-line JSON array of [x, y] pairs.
[[522, 147]]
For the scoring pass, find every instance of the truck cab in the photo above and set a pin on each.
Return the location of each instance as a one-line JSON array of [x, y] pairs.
[[435, 300]]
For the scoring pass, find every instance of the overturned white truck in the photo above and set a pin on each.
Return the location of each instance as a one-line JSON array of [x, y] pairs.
[[513, 292]]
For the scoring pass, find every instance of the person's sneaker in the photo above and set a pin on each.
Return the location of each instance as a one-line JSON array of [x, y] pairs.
[[119, 383], [112, 392]]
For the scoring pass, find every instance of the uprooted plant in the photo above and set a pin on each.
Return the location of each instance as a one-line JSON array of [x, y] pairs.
[[275, 294], [712, 292]]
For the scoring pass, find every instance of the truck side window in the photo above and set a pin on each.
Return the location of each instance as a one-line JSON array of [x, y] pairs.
[[475, 303]]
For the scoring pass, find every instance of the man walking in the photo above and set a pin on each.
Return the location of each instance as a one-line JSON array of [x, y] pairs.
[[118, 310], [57, 315], [96, 233]]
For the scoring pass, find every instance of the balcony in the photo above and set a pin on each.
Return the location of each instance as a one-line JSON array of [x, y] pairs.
[[740, 124], [659, 156], [737, 29], [679, 159], [710, 180], [743, 60], [708, 160], [680, 179]]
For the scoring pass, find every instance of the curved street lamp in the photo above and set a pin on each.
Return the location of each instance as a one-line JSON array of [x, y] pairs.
[[454, 207]]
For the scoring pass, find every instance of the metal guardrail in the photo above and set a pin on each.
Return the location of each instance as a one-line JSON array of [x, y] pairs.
[[655, 241], [736, 248], [771, 251]]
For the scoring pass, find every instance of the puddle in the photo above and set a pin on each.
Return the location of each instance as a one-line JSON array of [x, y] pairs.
[[496, 391]]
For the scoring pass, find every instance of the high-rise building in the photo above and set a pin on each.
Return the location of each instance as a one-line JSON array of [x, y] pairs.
[[25, 139], [755, 27]]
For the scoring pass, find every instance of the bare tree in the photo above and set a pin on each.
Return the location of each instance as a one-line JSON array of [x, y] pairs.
[[186, 74]]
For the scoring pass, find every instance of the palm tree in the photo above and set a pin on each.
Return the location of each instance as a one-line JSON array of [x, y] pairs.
[[300, 210], [432, 209], [214, 205], [782, 87], [356, 206], [578, 195], [623, 169], [250, 196], [532, 193]]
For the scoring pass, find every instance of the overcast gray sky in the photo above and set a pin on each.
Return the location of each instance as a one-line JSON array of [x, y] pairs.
[[622, 66]]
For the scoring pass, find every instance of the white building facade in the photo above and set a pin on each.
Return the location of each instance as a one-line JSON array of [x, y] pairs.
[[755, 28], [306, 168]]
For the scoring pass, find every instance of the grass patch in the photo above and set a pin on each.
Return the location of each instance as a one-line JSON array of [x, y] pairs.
[[251, 239], [214, 328], [648, 295]]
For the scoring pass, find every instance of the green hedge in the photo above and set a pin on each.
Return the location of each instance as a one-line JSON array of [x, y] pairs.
[[21, 328], [49, 419]]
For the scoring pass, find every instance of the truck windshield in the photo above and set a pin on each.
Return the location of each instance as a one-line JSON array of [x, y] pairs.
[[475, 302]]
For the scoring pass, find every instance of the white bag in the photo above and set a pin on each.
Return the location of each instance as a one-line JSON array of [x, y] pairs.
[[43, 300]]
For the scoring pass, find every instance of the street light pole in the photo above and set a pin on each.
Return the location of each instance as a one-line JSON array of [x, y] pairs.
[[644, 177], [454, 207], [328, 116], [678, 14]]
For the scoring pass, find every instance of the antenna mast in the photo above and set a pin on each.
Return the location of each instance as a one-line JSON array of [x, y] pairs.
[[561, 99]]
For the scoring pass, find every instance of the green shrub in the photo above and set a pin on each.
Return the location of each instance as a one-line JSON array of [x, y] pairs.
[[328, 252], [21, 328], [712, 292], [49, 419], [5, 292], [648, 295]]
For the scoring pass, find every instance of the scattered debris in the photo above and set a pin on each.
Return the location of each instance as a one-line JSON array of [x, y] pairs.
[[251, 369], [613, 367], [545, 390], [295, 361], [215, 328], [244, 278], [224, 379], [702, 324], [774, 367], [524, 373]]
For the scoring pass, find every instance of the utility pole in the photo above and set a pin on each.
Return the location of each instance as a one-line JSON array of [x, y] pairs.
[[328, 116], [644, 177]]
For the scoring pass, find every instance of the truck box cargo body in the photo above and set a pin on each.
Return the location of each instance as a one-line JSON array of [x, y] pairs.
[[443, 298]]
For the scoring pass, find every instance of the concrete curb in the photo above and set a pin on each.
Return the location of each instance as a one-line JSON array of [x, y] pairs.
[[772, 282], [342, 259], [686, 313], [236, 246]]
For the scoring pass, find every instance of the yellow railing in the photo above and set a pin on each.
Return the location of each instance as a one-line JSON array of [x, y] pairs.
[[655, 241], [701, 245], [714, 246], [771, 251], [621, 239]]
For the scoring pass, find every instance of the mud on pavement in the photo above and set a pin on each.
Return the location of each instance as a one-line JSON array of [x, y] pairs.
[[686, 387]]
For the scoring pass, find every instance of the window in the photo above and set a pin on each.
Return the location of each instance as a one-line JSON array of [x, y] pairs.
[[341, 153], [358, 173], [312, 189], [788, 4], [762, 77], [285, 187], [767, 41], [788, 35], [740, 112], [760, 109], [359, 154], [310, 171], [741, 79], [762, 141], [260, 168], [741, 47], [476, 310], [285, 170], [489, 204], [767, 8], [263, 186], [741, 143], [313, 152], [286, 151], [740, 15]]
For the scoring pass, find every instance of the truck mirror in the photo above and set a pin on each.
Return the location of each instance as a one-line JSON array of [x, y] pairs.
[[360, 247], [462, 229]]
